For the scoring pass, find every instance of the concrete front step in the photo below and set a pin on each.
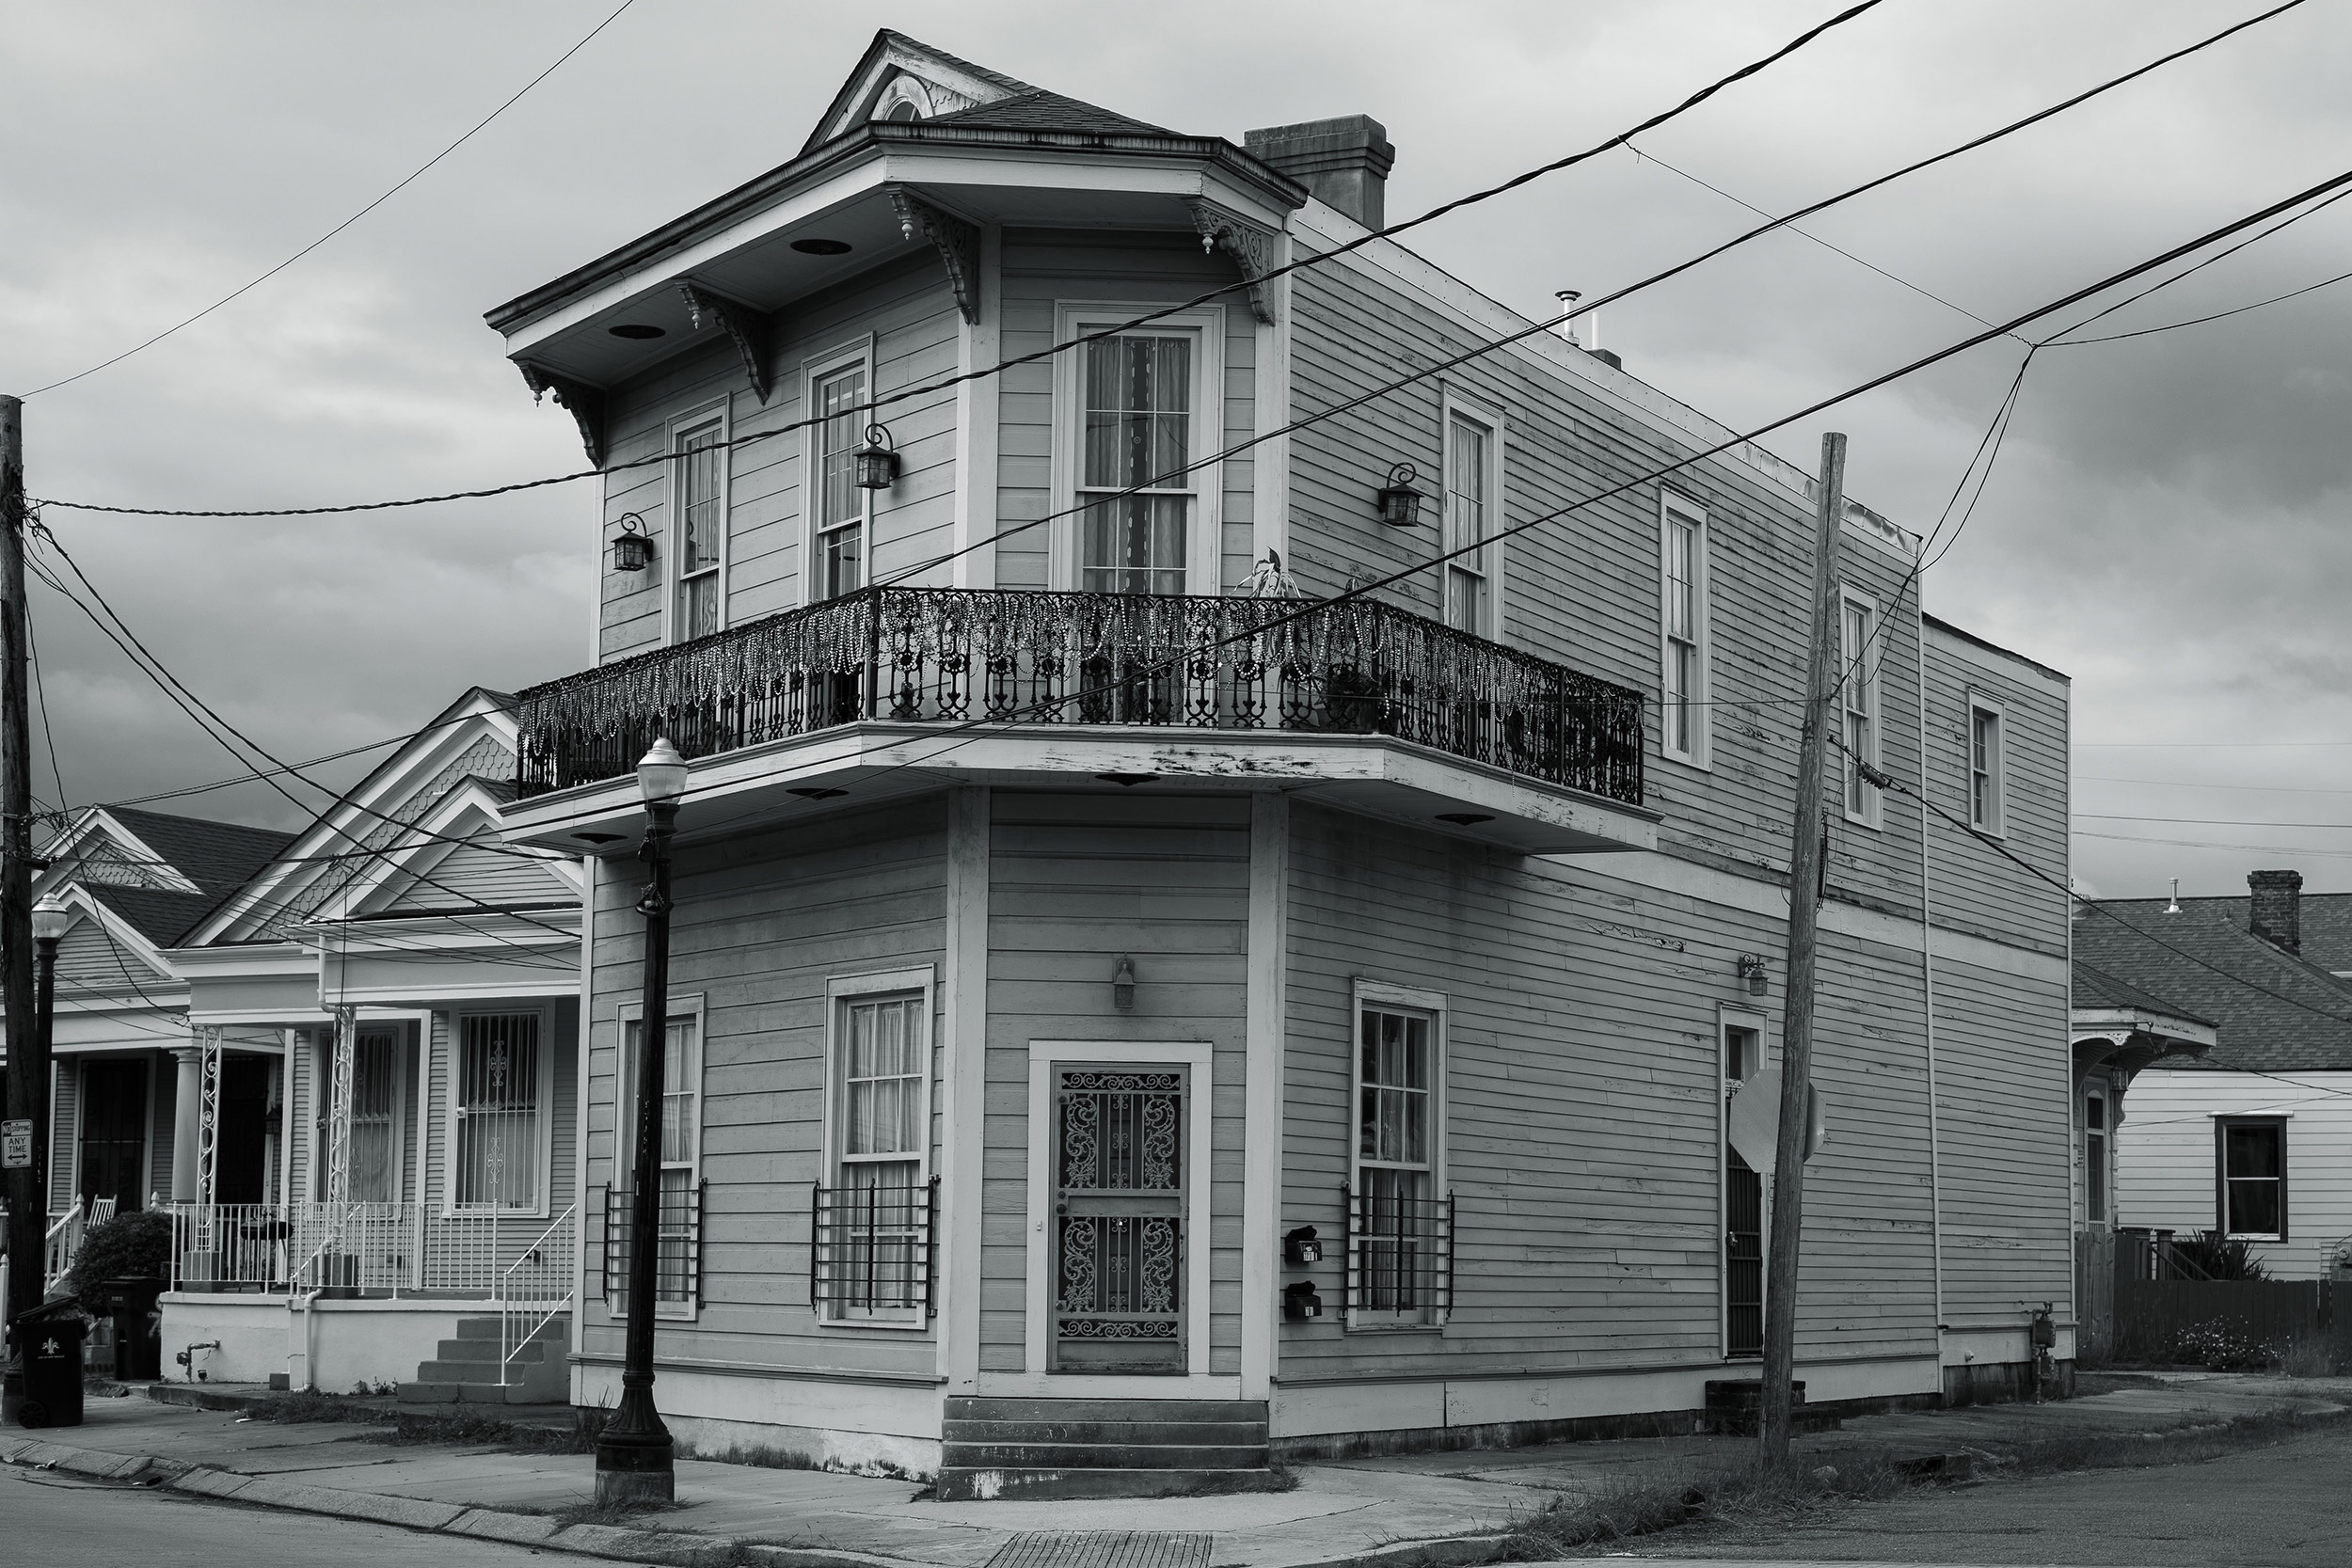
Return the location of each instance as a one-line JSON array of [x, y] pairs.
[[437, 1391], [557, 1328], [972, 1407], [969, 1484], [487, 1350], [1102, 1456], [1147, 1433]]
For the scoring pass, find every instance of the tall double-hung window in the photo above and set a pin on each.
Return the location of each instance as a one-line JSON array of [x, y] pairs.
[[2253, 1155], [1137, 444], [1858, 704], [501, 1126], [1683, 630], [1472, 481], [873, 1250], [839, 506], [677, 1268], [700, 487], [1399, 1242], [1986, 765]]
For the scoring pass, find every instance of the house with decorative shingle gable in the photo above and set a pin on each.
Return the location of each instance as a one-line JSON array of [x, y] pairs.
[[1137, 1007]]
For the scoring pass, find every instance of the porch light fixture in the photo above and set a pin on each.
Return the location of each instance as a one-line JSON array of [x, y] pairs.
[[877, 460], [1300, 1246], [1124, 986], [1752, 971], [633, 547], [635, 1456], [1400, 503]]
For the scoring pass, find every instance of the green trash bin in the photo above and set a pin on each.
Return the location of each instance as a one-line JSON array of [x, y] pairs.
[[49, 1340], [138, 1328]]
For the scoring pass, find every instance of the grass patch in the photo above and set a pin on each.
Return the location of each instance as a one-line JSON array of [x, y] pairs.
[[629, 1516], [420, 1426], [309, 1404]]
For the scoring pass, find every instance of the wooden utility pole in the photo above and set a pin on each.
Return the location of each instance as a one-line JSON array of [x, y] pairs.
[[1805, 904], [28, 1070]]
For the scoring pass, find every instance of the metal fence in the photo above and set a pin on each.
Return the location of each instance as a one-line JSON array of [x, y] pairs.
[[381, 1248], [1357, 667]]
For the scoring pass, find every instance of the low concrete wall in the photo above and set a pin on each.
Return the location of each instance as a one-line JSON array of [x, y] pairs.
[[333, 1344], [773, 1417]]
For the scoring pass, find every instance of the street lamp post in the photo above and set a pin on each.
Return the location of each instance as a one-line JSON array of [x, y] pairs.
[[50, 919], [634, 1455]]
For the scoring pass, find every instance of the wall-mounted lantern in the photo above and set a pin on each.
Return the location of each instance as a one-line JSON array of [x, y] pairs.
[[1752, 971], [1299, 1246], [1124, 986], [1400, 503], [633, 547], [877, 460], [1299, 1302]]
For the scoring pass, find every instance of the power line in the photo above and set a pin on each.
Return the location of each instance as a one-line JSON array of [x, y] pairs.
[[2201, 821], [2199, 321], [2056, 340], [2195, 783], [347, 223], [943, 384]]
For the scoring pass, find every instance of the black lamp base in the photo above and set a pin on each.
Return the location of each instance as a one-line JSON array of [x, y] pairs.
[[635, 1457]]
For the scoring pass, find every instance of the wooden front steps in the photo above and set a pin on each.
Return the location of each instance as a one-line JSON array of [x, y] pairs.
[[1037, 1448], [465, 1371]]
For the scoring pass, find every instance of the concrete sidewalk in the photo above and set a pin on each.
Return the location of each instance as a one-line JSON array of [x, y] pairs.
[[1403, 1505]]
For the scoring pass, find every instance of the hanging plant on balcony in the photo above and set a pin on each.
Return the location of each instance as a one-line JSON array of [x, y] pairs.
[[136, 1246]]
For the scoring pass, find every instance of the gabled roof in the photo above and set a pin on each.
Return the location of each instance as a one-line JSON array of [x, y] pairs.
[[2325, 920], [893, 54], [187, 865], [2275, 1012], [2095, 988], [1039, 110]]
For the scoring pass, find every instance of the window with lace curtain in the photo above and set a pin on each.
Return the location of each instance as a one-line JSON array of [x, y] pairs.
[[875, 1211], [700, 488]]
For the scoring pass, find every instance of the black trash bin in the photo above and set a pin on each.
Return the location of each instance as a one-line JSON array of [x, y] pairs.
[[49, 1338], [139, 1332]]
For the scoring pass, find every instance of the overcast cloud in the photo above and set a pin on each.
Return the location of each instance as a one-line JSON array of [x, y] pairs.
[[2166, 523]]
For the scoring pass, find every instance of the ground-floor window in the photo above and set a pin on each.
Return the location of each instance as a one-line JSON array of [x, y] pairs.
[[1400, 1231], [872, 1253], [497, 1111], [2251, 1152], [1743, 1206], [677, 1267]]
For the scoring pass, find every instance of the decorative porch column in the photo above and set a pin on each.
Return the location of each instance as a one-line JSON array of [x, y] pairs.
[[187, 1110]]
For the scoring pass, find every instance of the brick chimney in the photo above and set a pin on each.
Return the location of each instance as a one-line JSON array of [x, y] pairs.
[[1344, 163], [2277, 914]]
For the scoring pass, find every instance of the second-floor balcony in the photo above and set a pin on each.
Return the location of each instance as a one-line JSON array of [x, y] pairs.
[[954, 658]]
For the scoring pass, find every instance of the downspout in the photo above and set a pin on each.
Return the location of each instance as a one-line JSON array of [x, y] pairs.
[[1926, 985]]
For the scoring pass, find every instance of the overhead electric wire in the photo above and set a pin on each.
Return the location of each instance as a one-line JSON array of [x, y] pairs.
[[2058, 340], [943, 384], [2196, 783], [355, 217], [2199, 321]]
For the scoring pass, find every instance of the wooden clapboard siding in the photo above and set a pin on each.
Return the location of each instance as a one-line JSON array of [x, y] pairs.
[[1584, 588], [2165, 1159], [65, 1129], [1975, 887], [1581, 1120], [477, 874], [1077, 880], [163, 1096], [439, 1073], [91, 957], [763, 922], [2002, 1071], [907, 310], [1042, 267]]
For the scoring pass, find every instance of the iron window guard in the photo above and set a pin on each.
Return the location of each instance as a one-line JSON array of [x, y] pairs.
[[870, 1250], [1400, 1253], [678, 1269]]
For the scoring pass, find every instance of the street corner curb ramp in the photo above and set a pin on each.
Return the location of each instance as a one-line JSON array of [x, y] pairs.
[[669, 1547]]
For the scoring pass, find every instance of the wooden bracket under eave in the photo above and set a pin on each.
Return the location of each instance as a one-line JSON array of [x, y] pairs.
[[585, 403], [957, 240], [753, 330], [1250, 244]]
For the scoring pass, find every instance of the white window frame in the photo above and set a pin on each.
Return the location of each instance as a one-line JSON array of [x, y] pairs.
[[1204, 559], [716, 414], [844, 989], [1727, 1018], [1993, 822], [322, 1067], [453, 1075], [858, 354], [1454, 407], [1673, 509], [1378, 994], [1873, 659], [2098, 1162], [624, 1128], [2278, 1121]]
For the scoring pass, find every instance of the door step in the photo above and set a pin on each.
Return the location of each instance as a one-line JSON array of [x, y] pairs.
[[1036, 1447]]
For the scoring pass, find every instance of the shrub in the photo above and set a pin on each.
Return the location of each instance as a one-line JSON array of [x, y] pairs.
[[2221, 1345], [129, 1247], [2206, 1256]]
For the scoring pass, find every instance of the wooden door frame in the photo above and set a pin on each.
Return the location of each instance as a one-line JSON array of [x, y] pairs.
[[1195, 1382]]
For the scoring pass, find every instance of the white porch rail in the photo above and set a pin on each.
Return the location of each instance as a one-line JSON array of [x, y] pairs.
[[379, 1248], [526, 1296], [61, 1246]]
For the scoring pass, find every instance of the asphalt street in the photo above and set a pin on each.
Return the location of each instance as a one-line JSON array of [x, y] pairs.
[[46, 1518]]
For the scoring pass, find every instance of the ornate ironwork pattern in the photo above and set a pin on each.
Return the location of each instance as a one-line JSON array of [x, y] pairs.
[[927, 655], [1118, 1257], [870, 1250]]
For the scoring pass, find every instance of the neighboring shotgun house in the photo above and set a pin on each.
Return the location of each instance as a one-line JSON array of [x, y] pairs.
[[1114, 962], [416, 983], [125, 1088], [2253, 1138]]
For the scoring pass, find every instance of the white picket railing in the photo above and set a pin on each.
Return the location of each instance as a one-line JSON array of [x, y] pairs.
[[379, 1248], [61, 1246], [525, 1296]]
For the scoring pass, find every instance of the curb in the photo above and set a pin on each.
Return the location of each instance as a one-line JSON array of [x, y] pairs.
[[669, 1547]]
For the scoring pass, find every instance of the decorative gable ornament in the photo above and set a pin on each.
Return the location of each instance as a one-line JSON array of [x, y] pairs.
[[1249, 244]]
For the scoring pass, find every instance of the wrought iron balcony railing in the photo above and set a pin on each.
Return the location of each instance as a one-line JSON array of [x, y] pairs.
[[1016, 658]]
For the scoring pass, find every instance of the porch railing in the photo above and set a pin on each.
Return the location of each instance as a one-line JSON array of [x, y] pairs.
[[870, 1250], [383, 1248], [60, 1244], [1160, 661], [525, 1304]]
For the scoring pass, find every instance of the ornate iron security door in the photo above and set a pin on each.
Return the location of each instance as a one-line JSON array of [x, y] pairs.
[[1119, 1227]]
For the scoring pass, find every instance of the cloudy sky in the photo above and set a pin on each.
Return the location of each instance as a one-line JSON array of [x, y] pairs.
[[2167, 521]]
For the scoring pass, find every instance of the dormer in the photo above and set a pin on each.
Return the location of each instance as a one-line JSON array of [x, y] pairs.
[[901, 79]]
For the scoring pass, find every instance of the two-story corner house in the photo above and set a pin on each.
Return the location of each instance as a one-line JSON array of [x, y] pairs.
[[1122, 974]]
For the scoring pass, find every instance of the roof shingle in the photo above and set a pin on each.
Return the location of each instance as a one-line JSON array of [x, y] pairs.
[[2275, 1012]]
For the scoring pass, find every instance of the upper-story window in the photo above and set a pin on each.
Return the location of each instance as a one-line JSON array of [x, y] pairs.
[[1137, 438], [1472, 486], [1683, 630], [839, 505], [1858, 703], [700, 484], [1986, 766]]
